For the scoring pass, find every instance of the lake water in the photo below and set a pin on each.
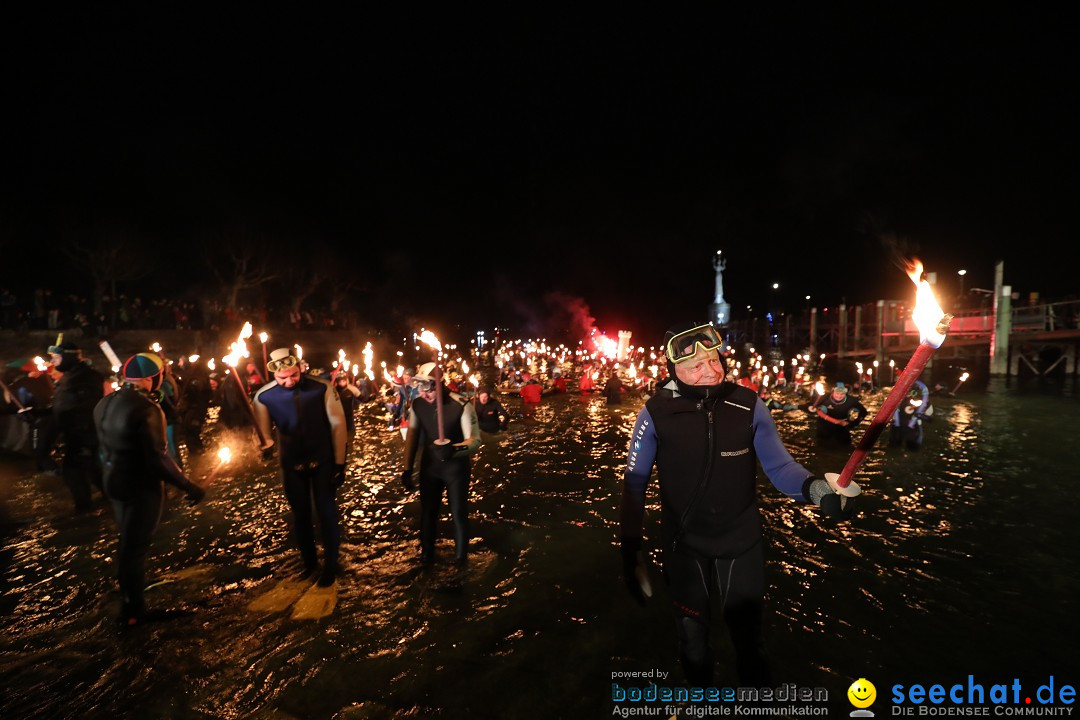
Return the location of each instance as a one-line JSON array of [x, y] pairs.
[[963, 560]]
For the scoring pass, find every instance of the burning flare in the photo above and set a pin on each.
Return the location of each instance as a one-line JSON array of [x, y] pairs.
[[927, 314], [368, 354], [428, 338]]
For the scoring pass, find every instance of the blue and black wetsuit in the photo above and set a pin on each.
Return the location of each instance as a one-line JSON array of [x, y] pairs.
[[311, 437], [907, 421], [706, 453]]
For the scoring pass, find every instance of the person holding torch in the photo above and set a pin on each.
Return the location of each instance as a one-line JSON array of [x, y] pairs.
[[311, 439], [445, 426], [705, 437]]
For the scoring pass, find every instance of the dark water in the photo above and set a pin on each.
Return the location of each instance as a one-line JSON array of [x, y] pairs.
[[963, 560]]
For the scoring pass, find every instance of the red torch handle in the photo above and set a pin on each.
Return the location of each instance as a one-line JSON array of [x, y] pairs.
[[884, 414], [15, 398], [438, 402]]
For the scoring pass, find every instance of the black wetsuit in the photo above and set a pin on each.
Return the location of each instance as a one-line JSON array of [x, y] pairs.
[[840, 410], [491, 416], [435, 474], [706, 453], [79, 390], [348, 406], [194, 401], [231, 401], [136, 463], [310, 425], [613, 390]]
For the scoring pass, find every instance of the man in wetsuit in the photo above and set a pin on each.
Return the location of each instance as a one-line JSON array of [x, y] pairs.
[[907, 420], [137, 464], [705, 437], [77, 393], [837, 413], [491, 416], [311, 437], [442, 465]]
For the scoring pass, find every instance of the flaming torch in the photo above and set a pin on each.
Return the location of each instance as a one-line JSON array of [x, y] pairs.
[[114, 361], [933, 324], [368, 353], [428, 338], [263, 337], [236, 351], [224, 458], [963, 377]]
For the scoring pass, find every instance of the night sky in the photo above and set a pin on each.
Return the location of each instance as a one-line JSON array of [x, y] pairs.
[[481, 170]]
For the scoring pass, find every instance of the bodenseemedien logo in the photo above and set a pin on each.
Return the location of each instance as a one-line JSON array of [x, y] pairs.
[[862, 694]]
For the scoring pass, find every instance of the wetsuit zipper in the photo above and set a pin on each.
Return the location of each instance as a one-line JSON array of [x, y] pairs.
[[690, 506]]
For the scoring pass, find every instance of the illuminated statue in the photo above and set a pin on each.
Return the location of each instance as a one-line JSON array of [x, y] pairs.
[[719, 311], [719, 265]]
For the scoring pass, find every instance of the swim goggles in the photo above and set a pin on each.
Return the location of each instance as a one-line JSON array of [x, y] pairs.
[[685, 345], [286, 362]]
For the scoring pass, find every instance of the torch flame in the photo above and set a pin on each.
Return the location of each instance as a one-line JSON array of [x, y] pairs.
[[964, 377], [368, 354], [41, 365], [819, 388], [927, 313], [263, 337], [193, 358], [211, 365], [245, 332], [156, 347], [225, 454], [299, 352], [428, 338]]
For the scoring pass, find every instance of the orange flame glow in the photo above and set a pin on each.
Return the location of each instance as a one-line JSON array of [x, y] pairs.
[[927, 313], [428, 338]]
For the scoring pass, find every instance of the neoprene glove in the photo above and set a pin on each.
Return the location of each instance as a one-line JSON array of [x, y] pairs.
[[339, 475], [832, 504], [442, 453], [194, 493], [633, 566], [406, 480]]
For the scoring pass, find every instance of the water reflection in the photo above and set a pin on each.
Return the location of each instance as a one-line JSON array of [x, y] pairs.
[[953, 543]]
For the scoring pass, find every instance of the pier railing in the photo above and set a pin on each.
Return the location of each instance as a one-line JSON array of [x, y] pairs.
[[885, 324]]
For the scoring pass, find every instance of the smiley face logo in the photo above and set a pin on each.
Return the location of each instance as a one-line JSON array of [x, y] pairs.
[[862, 693]]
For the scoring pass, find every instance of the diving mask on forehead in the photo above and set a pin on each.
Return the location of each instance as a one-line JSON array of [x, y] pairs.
[[425, 384], [685, 345], [288, 361]]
